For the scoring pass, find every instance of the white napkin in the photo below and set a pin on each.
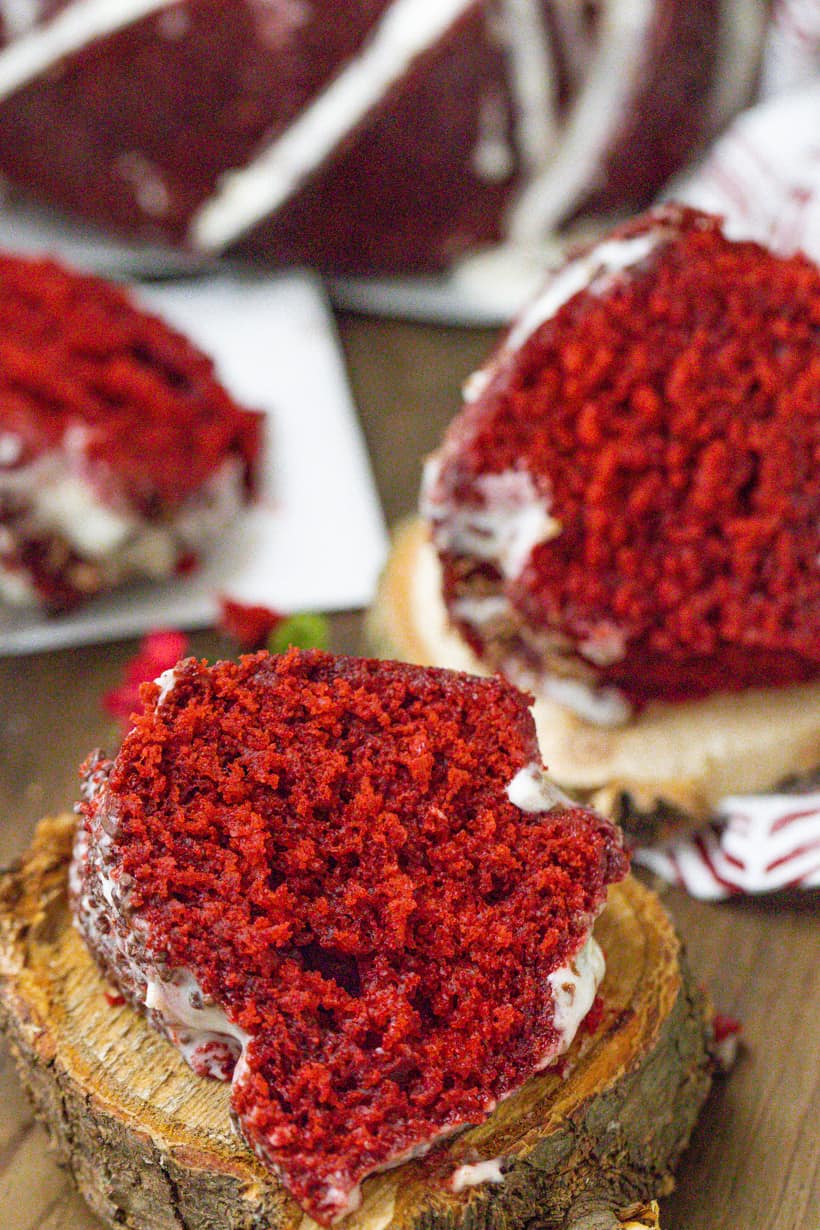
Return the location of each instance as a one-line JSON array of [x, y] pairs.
[[315, 539]]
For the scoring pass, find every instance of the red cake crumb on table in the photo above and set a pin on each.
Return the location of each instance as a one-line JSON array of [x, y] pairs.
[[634, 482], [159, 651], [120, 453], [316, 860], [250, 626], [726, 1040]]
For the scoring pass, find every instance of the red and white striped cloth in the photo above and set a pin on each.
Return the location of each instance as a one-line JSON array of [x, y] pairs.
[[757, 844], [763, 174], [792, 52]]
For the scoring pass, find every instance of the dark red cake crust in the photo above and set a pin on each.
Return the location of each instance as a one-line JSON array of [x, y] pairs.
[[670, 420], [327, 845]]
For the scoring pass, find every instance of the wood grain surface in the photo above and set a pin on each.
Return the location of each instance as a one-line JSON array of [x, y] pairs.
[[753, 1162]]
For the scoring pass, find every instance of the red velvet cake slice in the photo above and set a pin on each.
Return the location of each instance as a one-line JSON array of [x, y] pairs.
[[120, 453], [349, 885], [628, 507]]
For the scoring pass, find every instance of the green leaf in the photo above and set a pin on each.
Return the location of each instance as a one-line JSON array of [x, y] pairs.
[[306, 630]]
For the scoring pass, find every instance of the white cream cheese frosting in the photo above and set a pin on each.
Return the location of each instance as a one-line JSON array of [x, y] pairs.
[[574, 987], [504, 526], [532, 790], [466, 1176], [51, 496]]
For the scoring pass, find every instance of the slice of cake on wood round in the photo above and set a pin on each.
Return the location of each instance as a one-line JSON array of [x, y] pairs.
[[121, 454], [626, 519], [349, 888]]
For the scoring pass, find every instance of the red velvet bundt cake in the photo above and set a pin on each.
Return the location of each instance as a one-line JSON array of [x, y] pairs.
[[349, 885], [373, 135], [628, 508], [120, 453]]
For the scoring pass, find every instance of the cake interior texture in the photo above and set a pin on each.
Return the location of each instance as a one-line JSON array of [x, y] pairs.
[[631, 494]]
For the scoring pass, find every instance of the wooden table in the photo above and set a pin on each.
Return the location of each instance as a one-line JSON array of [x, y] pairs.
[[753, 1162]]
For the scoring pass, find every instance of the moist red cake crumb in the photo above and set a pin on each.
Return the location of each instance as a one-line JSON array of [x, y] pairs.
[[325, 849], [659, 410], [120, 452]]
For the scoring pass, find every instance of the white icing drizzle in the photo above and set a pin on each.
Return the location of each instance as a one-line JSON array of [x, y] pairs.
[[493, 159], [406, 30], [531, 80], [19, 16], [480, 1172], [531, 790], [552, 194], [166, 682], [739, 40], [73, 28], [150, 190], [574, 987], [593, 271], [475, 384]]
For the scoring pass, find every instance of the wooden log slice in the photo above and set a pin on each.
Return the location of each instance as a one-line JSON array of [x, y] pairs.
[[661, 772], [152, 1146]]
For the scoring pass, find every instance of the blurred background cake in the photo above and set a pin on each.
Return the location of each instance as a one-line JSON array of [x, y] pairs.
[[373, 136]]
